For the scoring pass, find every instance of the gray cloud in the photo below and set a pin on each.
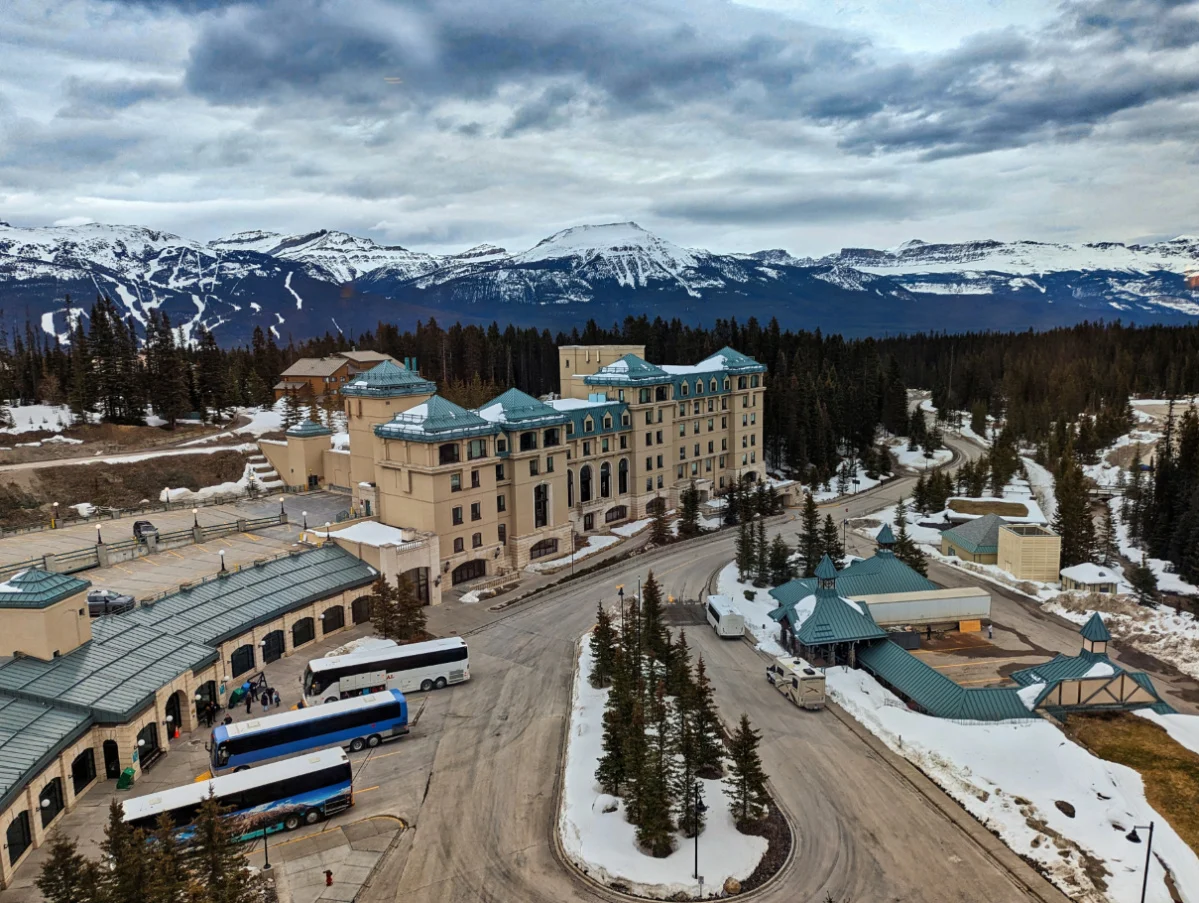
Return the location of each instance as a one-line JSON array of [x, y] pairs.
[[101, 98]]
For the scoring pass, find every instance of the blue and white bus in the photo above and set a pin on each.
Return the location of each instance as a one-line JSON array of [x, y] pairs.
[[279, 796], [416, 666], [357, 722]]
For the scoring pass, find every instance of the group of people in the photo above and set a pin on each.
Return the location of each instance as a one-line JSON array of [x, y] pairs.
[[268, 698]]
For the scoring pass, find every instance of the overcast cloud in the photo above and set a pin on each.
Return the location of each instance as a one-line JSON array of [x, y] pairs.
[[730, 125]]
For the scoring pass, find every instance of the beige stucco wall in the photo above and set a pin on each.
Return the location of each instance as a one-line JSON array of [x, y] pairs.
[[585, 360], [336, 467], [276, 453], [41, 632]]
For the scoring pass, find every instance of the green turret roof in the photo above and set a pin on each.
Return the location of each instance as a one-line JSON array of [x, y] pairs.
[[979, 536], [735, 362], [387, 380], [36, 588], [837, 620], [885, 537], [1095, 630], [881, 573], [308, 428], [517, 407], [628, 369], [826, 570], [436, 420]]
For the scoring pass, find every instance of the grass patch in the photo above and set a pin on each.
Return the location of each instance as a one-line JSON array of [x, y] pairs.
[[1003, 509], [1169, 769], [126, 485]]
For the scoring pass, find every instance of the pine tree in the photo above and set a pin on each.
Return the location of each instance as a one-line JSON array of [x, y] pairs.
[[745, 785], [1144, 583], [905, 549], [687, 749], [635, 763], [410, 613], [678, 672], [169, 880], [1106, 541], [124, 848], [654, 636], [67, 876], [781, 569], [709, 755], [689, 518], [603, 648], [809, 541], [385, 616], [617, 721], [746, 546], [291, 409], [218, 863], [655, 827], [761, 556], [920, 495], [659, 527], [830, 541], [1073, 521]]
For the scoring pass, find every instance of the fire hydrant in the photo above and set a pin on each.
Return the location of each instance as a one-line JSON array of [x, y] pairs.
[[328, 877]]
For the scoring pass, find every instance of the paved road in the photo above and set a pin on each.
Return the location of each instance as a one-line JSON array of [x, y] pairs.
[[484, 830]]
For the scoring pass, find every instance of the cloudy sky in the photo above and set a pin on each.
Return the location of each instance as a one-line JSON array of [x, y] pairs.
[[438, 124]]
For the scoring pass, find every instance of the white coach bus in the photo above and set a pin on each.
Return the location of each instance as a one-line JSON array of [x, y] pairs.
[[417, 666], [724, 617]]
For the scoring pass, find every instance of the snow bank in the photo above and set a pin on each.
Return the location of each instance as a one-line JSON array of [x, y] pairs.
[[369, 533], [1166, 580], [594, 544], [1042, 487], [1011, 775], [915, 459], [29, 418], [1184, 729], [756, 613], [220, 490], [603, 843]]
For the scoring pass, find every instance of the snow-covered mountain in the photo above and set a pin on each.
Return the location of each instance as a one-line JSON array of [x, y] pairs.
[[325, 281]]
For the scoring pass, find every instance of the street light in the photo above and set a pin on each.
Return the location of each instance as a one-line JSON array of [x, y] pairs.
[[54, 517], [697, 790], [1135, 838], [620, 592], [99, 538], [305, 513], [195, 517], [222, 554]]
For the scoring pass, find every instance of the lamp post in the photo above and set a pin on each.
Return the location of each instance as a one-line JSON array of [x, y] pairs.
[[305, 514], [195, 517], [222, 554], [1135, 838], [697, 790], [54, 517], [620, 592], [99, 538], [266, 853]]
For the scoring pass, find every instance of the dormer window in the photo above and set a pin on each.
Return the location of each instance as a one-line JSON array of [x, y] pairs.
[[588, 425], [607, 421], [712, 386], [683, 390], [727, 383], [699, 386]]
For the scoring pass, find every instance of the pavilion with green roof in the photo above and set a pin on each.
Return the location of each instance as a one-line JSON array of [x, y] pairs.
[[825, 627]]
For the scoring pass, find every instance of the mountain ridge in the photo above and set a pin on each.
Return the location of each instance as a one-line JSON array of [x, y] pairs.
[[326, 280]]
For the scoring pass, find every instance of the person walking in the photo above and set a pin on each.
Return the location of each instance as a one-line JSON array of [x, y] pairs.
[[275, 700], [266, 701], [249, 702], [990, 632]]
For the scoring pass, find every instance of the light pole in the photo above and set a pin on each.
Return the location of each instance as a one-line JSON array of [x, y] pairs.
[[1135, 838], [54, 517], [305, 514], [620, 592], [697, 790], [195, 517], [99, 538], [222, 554]]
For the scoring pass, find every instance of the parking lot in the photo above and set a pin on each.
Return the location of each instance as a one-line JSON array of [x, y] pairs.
[[389, 783]]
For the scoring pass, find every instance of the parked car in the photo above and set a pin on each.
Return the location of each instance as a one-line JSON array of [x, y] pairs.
[[142, 529], [107, 602]]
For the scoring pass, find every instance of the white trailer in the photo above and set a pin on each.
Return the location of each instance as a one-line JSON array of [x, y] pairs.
[[938, 606], [798, 681], [725, 618]]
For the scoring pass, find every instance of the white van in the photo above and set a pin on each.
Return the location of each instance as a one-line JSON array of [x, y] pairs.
[[724, 617]]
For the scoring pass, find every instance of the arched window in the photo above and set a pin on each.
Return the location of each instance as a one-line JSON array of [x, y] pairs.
[[740, 382], [620, 512], [605, 480], [570, 488], [622, 477], [303, 631], [333, 618], [543, 548], [585, 484]]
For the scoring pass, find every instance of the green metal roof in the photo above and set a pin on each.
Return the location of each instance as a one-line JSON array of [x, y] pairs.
[[885, 537], [837, 620], [874, 576], [31, 736], [826, 570], [517, 408], [309, 428], [1063, 667], [627, 369], [595, 410], [36, 588], [736, 362], [436, 420], [388, 380], [935, 693], [224, 607], [1095, 630], [979, 536], [113, 676]]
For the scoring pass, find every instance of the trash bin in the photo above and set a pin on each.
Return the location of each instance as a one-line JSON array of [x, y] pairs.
[[125, 781]]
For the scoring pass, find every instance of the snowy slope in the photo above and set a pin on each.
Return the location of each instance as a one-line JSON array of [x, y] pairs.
[[342, 256]]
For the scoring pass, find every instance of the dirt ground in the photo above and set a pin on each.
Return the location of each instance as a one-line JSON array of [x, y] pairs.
[[105, 438]]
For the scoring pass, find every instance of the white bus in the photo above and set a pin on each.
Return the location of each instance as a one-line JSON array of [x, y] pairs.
[[724, 617], [281, 795], [417, 666]]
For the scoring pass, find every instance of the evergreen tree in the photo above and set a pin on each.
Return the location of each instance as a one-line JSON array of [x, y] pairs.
[[746, 548], [168, 880], [635, 764], [709, 752], [124, 848], [410, 613], [678, 672], [659, 527], [291, 410], [761, 556], [689, 518], [603, 648], [732, 505], [655, 828], [385, 616], [217, 861], [810, 543], [920, 495], [1073, 521], [781, 569], [654, 637], [67, 876], [689, 819], [745, 785], [1107, 543], [617, 722], [830, 541], [905, 549], [1144, 583]]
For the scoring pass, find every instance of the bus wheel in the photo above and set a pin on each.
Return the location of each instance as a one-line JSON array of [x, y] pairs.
[[331, 699], [311, 817], [426, 685], [292, 822], [440, 684], [358, 744], [374, 740]]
